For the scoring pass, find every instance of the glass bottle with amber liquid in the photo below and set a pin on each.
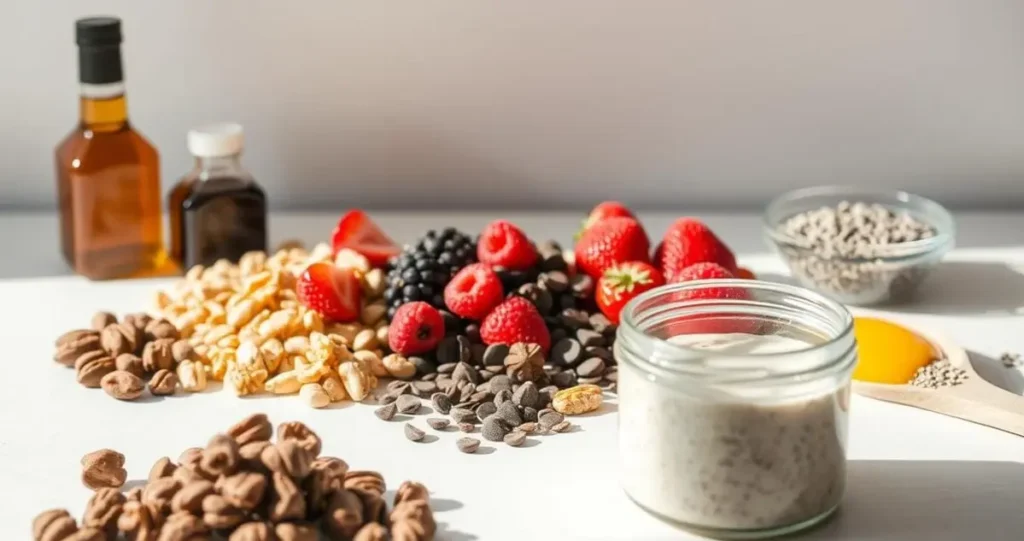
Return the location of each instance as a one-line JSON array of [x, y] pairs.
[[217, 210], [108, 175]]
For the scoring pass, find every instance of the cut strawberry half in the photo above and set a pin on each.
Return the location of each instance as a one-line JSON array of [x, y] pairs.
[[356, 231], [333, 292]]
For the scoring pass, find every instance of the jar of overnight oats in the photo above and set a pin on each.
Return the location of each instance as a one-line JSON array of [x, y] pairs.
[[733, 405]]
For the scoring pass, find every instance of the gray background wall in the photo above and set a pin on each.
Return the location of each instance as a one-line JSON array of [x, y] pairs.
[[661, 103]]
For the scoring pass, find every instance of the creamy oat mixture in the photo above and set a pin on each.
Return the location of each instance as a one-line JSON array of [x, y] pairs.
[[731, 464]]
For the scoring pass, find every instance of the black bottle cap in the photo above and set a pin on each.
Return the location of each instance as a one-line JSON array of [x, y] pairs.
[[98, 31], [99, 50]]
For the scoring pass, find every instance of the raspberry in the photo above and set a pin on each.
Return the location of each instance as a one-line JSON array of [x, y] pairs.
[[513, 321], [416, 328], [503, 244], [473, 292]]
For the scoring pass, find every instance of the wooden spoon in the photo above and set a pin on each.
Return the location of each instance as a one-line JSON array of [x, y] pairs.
[[974, 400]]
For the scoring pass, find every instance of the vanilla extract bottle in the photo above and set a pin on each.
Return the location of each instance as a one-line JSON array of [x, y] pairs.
[[217, 210]]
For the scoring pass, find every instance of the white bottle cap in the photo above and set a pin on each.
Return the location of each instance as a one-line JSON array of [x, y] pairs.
[[216, 140]]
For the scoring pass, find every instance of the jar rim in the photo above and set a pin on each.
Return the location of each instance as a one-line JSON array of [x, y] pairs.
[[628, 325]]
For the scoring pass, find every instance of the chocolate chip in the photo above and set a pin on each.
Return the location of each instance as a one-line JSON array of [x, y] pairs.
[[567, 302], [528, 427], [466, 427], [502, 396], [386, 413], [548, 390], [515, 439], [454, 349], [485, 375], [462, 415], [529, 415], [429, 377], [452, 323], [494, 355], [554, 263], [467, 445], [566, 352], [424, 388], [423, 366], [500, 383], [408, 404], [526, 395], [612, 374], [582, 285], [473, 332], [485, 410], [554, 281], [600, 323], [442, 404], [564, 380], [494, 429], [438, 423], [557, 334], [591, 368], [564, 426], [549, 418], [398, 387], [387, 399], [599, 352], [477, 351], [481, 396], [589, 338], [464, 372], [509, 413], [538, 296], [446, 368], [413, 433], [590, 381]]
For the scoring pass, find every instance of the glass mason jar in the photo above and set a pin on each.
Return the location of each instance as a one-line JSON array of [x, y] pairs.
[[733, 404]]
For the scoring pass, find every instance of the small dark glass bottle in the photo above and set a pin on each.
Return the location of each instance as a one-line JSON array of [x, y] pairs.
[[217, 210]]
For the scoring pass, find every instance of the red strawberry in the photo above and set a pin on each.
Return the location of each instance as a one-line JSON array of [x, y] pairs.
[[333, 292], [689, 241], [416, 328], [515, 320], [621, 283], [503, 244], [356, 231], [474, 292], [611, 241], [720, 322], [745, 273], [709, 271], [608, 209]]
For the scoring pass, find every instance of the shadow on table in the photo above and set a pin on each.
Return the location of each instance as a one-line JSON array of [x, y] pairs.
[[993, 371], [928, 500]]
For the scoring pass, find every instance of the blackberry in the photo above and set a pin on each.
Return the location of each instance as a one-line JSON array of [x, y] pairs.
[[422, 270]]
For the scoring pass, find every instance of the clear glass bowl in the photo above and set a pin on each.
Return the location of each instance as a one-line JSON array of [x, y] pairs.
[[891, 275]]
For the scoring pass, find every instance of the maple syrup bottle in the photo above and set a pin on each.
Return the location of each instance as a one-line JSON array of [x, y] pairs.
[[217, 210], [108, 175]]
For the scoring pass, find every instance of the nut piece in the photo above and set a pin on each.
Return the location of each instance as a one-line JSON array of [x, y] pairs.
[[334, 388], [192, 376], [103, 509], [314, 395], [253, 531], [399, 367], [122, 385], [101, 320], [255, 427], [525, 362], [160, 328], [91, 367], [301, 434], [73, 345], [103, 468], [296, 531], [243, 490], [357, 379], [372, 531], [370, 481], [411, 490], [182, 351], [157, 355], [163, 383], [53, 525], [130, 362], [577, 400]]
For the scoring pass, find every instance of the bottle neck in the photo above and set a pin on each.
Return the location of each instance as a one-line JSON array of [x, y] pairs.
[[103, 108], [218, 166]]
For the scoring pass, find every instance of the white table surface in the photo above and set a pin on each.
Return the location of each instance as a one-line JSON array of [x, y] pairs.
[[913, 476]]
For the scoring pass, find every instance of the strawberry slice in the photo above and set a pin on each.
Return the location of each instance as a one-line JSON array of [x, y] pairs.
[[332, 291], [356, 231]]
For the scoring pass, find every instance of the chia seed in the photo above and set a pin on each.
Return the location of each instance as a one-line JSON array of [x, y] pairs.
[[938, 374]]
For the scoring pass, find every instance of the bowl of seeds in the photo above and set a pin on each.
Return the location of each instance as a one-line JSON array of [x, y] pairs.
[[858, 246]]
